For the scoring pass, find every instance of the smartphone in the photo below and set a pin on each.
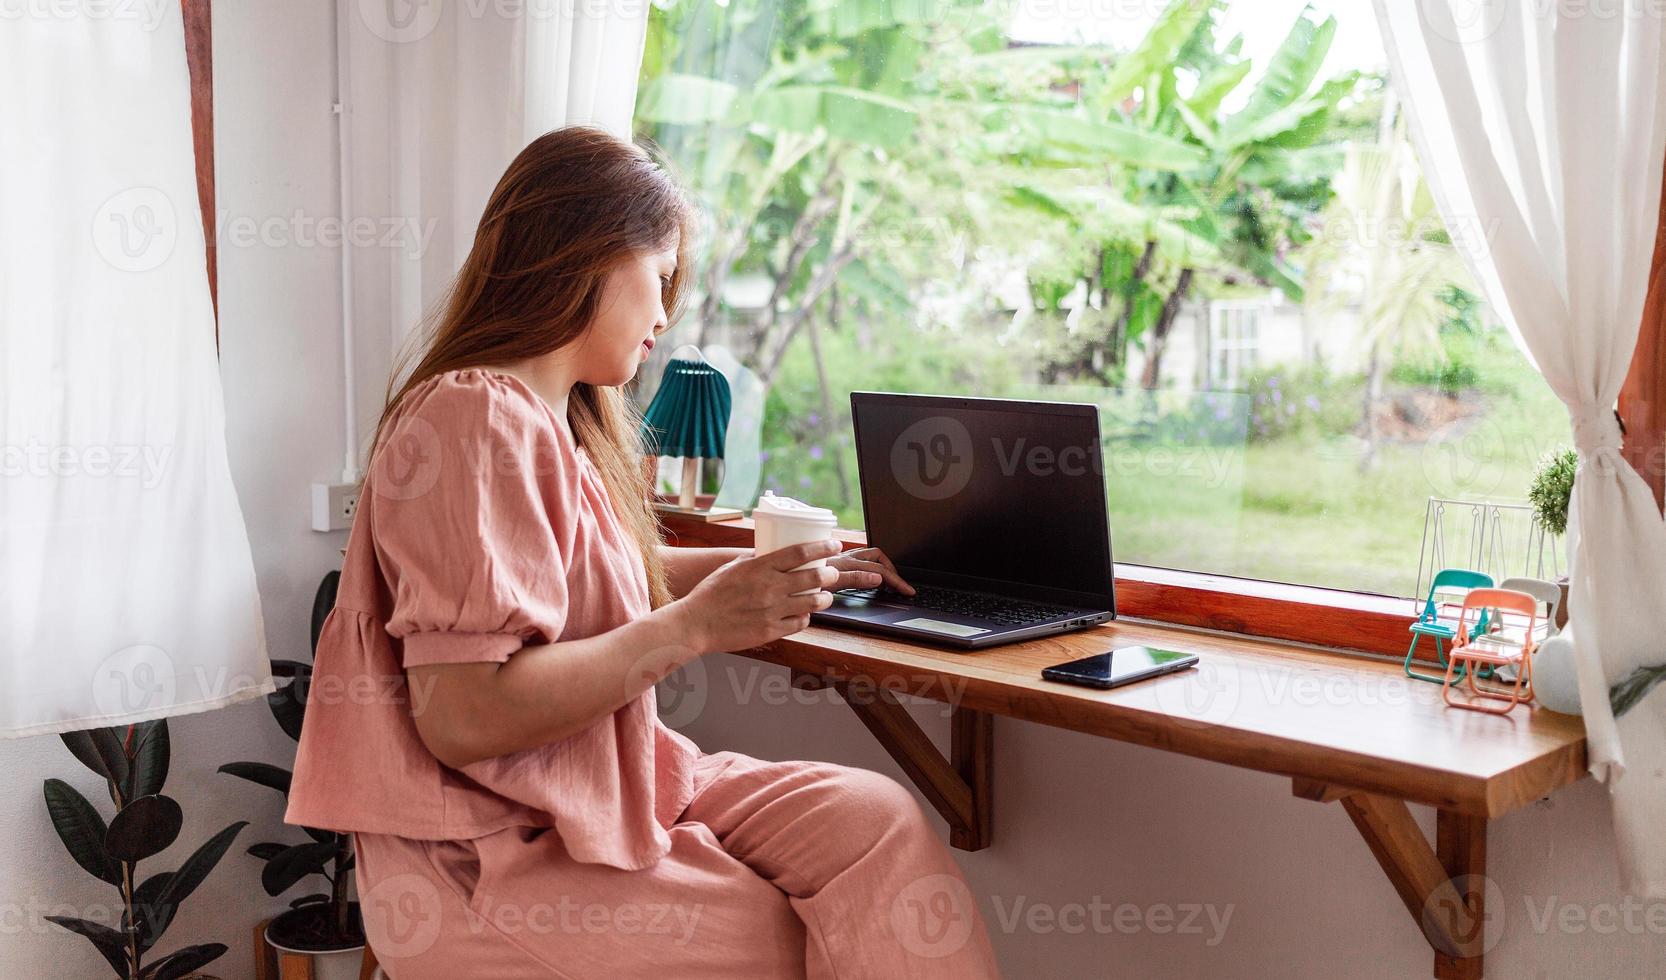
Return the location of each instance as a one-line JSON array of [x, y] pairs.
[[1120, 666]]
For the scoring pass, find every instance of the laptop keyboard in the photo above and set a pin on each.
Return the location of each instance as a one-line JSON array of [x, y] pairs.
[[997, 609]]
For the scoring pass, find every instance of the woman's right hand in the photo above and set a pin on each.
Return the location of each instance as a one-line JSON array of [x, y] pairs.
[[749, 601]]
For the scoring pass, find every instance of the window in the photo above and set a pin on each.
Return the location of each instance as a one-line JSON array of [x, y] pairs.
[[1233, 331], [1205, 217]]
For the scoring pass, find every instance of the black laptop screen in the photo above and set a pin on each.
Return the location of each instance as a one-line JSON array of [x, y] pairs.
[[991, 489]]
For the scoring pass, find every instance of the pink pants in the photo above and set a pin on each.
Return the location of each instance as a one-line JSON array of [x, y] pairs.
[[776, 869]]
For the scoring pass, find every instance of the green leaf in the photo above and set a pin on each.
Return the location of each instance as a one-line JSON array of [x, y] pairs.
[[850, 114], [685, 100], [153, 915], [316, 898], [268, 850], [109, 942], [266, 775], [1214, 87], [150, 757], [848, 18], [1629, 693], [1157, 51], [198, 865], [82, 830], [289, 706], [80, 745], [295, 863], [184, 962], [144, 827], [1036, 200], [113, 753], [1055, 133], [1288, 75]]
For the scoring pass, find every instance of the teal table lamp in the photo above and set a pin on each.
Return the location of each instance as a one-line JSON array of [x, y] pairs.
[[689, 417]]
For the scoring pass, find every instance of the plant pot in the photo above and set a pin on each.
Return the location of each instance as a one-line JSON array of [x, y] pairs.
[[310, 931]]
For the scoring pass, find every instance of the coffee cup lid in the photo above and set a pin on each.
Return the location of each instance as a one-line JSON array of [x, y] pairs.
[[797, 510]]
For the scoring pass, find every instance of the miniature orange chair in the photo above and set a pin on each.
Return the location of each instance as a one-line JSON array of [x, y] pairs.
[[1493, 650]]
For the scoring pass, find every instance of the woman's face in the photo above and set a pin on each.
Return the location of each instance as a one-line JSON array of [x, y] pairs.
[[631, 315]]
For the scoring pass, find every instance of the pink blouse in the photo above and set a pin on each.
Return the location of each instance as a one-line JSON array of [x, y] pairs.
[[482, 528]]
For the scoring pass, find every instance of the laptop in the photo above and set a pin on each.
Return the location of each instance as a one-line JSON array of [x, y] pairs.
[[992, 508]]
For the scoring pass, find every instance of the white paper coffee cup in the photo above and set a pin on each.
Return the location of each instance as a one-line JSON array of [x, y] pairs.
[[781, 522]]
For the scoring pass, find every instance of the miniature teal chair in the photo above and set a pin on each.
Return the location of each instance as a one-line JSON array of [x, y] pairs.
[[1429, 624]]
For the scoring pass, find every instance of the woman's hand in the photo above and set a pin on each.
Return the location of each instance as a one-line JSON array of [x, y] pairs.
[[749, 601], [865, 568]]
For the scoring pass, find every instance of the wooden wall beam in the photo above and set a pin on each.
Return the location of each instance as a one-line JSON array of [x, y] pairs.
[[199, 59], [960, 787], [1643, 399]]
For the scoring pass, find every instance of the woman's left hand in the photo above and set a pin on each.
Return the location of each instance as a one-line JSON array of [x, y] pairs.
[[866, 568]]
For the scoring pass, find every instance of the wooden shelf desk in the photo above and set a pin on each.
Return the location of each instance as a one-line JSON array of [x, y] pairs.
[[1343, 728]]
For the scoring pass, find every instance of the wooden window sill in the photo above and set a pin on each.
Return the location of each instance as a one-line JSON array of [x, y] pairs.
[[1331, 618]]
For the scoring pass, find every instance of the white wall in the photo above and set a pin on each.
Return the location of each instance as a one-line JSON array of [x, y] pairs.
[[1077, 819], [281, 368]]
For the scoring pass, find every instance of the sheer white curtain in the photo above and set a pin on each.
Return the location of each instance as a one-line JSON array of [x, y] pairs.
[[440, 98], [1541, 128], [127, 591]]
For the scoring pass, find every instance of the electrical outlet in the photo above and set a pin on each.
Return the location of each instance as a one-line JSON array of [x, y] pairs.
[[333, 506]]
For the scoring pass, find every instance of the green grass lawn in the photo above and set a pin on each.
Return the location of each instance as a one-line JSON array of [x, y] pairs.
[[1297, 508]]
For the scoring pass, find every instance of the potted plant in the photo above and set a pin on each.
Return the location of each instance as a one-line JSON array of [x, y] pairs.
[[323, 925], [134, 764], [1550, 492]]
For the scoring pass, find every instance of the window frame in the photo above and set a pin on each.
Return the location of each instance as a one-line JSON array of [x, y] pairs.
[[1356, 622]]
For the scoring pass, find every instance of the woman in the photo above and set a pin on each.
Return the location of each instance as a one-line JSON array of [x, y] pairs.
[[481, 717]]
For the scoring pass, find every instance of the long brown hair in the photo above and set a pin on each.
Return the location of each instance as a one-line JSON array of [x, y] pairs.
[[572, 205]]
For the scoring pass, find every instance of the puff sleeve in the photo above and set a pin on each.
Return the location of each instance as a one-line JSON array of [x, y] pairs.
[[472, 517]]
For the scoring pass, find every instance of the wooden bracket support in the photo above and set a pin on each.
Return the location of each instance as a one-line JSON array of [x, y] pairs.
[[1443, 887], [959, 787]]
